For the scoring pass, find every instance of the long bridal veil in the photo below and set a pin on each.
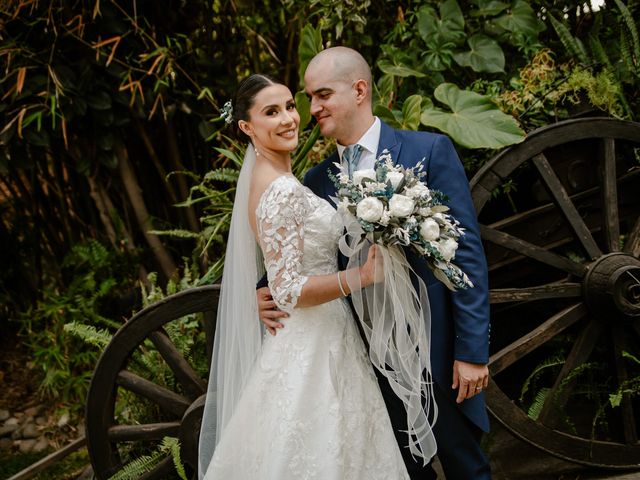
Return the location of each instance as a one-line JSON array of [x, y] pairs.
[[239, 332]]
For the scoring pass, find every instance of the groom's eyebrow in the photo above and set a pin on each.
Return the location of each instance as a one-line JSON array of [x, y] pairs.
[[322, 90]]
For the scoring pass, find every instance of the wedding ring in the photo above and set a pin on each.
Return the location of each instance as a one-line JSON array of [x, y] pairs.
[[478, 388]]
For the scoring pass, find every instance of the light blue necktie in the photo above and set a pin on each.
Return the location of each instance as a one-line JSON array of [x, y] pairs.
[[351, 156]]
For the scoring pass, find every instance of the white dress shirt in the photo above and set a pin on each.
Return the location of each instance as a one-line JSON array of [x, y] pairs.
[[369, 142]]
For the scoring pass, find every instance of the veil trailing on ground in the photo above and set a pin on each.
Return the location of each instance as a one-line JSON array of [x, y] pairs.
[[239, 332]]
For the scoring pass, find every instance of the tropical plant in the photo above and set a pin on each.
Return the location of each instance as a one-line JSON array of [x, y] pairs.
[[92, 275]]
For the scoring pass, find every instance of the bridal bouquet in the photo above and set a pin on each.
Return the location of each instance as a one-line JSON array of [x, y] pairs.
[[393, 206]]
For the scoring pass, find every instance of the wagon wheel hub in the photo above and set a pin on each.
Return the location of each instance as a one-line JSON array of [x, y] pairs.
[[612, 284]]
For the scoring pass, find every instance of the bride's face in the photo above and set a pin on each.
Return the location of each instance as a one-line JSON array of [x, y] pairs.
[[273, 120]]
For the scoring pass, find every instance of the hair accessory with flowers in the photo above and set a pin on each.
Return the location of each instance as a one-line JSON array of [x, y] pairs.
[[226, 112], [393, 206]]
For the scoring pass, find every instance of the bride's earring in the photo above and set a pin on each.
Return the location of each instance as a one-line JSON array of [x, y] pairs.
[[253, 144]]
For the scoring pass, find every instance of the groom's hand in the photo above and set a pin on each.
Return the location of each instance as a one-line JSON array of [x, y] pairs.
[[268, 310], [469, 379]]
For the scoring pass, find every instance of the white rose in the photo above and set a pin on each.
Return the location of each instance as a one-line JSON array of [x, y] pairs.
[[400, 206], [418, 190], [360, 175], [448, 248], [430, 230], [395, 178], [370, 209]]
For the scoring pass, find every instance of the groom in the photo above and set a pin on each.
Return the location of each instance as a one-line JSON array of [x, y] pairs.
[[339, 84]]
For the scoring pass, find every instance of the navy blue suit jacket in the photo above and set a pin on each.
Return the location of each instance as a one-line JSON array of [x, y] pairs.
[[459, 320]]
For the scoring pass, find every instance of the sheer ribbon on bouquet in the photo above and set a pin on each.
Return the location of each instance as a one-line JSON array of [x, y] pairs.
[[396, 320]]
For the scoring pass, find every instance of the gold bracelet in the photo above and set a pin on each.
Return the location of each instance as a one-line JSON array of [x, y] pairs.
[[340, 285]]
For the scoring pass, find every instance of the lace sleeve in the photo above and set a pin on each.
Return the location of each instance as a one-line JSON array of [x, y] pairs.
[[280, 218]]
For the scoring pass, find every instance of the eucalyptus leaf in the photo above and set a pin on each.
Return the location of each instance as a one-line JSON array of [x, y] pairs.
[[485, 55], [474, 121]]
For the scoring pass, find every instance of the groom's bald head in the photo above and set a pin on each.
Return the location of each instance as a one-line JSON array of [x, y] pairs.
[[343, 63], [338, 83]]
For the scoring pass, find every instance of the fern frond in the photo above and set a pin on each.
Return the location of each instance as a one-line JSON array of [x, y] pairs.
[[571, 43], [138, 467], [536, 407], [89, 334], [548, 363], [625, 52], [631, 27], [599, 52], [180, 233], [172, 445], [229, 175], [630, 356]]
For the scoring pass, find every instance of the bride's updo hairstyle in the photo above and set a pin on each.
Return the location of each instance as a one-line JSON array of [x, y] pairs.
[[244, 98]]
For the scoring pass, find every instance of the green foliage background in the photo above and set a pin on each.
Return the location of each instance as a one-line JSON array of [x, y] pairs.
[[111, 144]]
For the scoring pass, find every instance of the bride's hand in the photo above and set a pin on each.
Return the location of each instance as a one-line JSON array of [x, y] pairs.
[[372, 271]]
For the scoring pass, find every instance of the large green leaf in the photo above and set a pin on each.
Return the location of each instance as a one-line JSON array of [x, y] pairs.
[[521, 18], [304, 109], [447, 28], [398, 70], [310, 45], [487, 8], [474, 121], [485, 55], [411, 111], [388, 116]]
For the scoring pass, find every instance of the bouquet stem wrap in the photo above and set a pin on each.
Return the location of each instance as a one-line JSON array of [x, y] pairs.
[[396, 320]]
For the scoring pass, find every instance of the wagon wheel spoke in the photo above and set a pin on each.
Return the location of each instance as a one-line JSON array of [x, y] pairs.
[[633, 242], [628, 417], [554, 290], [611, 217], [561, 390], [149, 431], [166, 399], [160, 471], [184, 373], [530, 250], [538, 336], [561, 197]]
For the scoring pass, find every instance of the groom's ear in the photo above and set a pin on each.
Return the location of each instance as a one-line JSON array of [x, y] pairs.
[[361, 87]]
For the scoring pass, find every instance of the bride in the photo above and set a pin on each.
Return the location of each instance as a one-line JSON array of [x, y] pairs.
[[304, 404]]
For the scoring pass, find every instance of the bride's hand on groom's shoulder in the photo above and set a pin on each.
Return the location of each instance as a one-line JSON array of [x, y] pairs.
[[268, 311], [373, 269]]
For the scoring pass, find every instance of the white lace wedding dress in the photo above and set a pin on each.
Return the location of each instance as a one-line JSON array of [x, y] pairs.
[[312, 408]]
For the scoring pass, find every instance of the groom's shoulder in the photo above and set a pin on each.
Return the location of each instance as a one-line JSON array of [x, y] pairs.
[[421, 138], [319, 171]]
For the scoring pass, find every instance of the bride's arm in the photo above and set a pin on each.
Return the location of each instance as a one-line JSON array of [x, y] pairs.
[[280, 222]]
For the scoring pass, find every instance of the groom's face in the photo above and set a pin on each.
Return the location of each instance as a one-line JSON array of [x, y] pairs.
[[333, 102]]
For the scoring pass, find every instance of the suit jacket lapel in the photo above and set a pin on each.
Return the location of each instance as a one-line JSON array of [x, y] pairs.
[[389, 141]]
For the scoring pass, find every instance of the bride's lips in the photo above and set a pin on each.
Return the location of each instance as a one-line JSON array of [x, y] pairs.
[[288, 133]]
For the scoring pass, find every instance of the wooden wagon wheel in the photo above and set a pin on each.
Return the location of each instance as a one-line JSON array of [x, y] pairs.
[[560, 221], [178, 405]]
